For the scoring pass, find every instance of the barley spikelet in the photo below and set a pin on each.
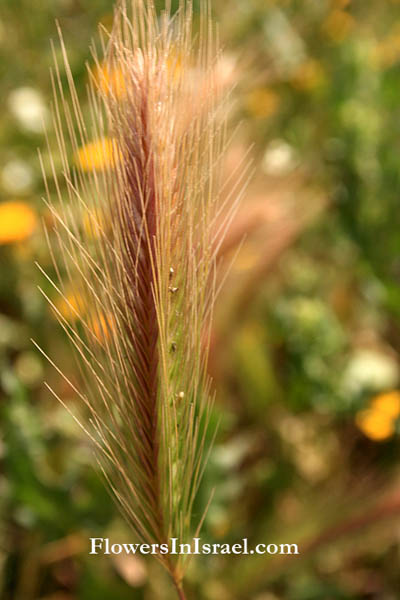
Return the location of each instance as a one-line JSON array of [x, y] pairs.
[[134, 257]]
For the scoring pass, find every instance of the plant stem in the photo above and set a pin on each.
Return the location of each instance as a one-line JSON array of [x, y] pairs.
[[179, 589]]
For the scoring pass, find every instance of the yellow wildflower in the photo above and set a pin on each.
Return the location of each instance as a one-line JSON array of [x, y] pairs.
[[309, 75], [70, 305], [98, 155], [262, 102], [374, 424], [17, 222], [174, 65], [102, 325], [107, 21], [387, 52], [247, 258], [387, 403], [338, 25], [94, 225], [73, 307], [111, 81], [378, 421]]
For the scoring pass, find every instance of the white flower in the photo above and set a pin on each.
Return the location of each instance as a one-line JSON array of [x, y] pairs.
[[279, 158], [17, 177], [370, 370], [28, 107]]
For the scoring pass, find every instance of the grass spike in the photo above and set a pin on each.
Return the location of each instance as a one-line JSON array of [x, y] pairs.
[[143, 169]]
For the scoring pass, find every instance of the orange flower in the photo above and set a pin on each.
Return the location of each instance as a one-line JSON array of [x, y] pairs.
[[17, 222], [111, 81], [71, 306], [98, 155], [378, 421], [374, 425], [102, 326], [387, 403]]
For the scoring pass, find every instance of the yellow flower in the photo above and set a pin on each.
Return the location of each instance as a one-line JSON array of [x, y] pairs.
[[338, 25], [309, 75], [387, 52], [17, 222], [102, 326], [387, 404], [374, 424], [74, 308], [378, 421], [70, 306], [111, 81], [98, 155], [174, 65], [262, 102], [107, 21], [94, 225], [247, 258]]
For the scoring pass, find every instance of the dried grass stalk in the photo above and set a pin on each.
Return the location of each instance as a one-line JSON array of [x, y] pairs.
[[141, 263]]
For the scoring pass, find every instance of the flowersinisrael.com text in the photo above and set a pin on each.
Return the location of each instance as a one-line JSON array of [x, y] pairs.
[[104, 546]]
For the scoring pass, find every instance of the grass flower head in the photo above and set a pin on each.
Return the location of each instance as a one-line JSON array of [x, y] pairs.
[[145, 170]]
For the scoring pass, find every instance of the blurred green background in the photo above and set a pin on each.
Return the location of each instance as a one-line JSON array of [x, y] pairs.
[[306, 340]]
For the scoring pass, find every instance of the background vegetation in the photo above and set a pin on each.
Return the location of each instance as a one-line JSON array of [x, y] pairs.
[[306, 341]]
